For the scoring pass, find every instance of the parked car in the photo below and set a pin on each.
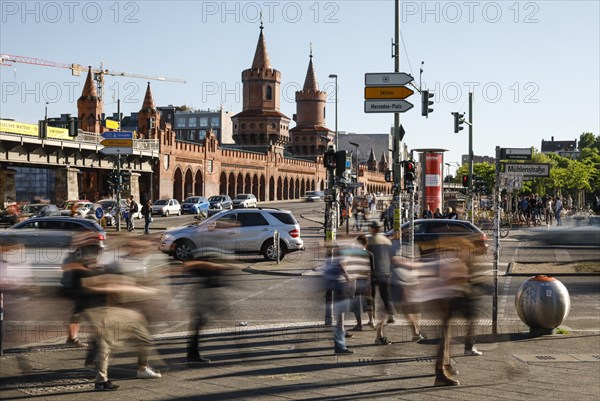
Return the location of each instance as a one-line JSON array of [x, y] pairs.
[[429, 233], [220, 202], [39, 209], [166, 207], [244, 200], [39, 246], [314, 196], [238, 231], [81, 206], [195, 205]]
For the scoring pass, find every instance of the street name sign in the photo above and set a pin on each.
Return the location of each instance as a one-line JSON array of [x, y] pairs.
[[387, 92], [127, 143], [515, 153], [117, 135], [387, 106], [526, 169], [387, 79], [115, 150]]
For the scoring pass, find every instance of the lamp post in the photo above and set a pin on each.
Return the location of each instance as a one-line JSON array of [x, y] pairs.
[[335, 77]]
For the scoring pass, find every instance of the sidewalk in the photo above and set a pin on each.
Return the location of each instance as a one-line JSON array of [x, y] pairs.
[[296, 361]]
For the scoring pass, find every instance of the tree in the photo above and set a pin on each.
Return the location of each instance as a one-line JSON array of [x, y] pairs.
[[588, 140]]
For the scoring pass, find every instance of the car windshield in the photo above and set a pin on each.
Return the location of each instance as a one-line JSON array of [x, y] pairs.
[[243, 197], [215, 198], [32, 208], [160, 202], [192, 200]]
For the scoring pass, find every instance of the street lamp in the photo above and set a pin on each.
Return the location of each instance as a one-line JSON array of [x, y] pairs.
[[46, 112], [356, 145], [335, 77]]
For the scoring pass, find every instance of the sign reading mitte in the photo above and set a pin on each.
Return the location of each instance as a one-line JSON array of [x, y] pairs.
[[385, 93]]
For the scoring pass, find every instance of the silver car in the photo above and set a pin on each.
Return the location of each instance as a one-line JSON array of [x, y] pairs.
[[243, 231]]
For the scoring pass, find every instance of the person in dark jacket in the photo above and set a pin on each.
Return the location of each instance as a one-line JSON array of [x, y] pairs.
[[147, 213]]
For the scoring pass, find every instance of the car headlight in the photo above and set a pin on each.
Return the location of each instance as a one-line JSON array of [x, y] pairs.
[[166, 237]]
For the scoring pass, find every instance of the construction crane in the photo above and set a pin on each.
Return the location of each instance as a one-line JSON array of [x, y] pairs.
[[77, 69]]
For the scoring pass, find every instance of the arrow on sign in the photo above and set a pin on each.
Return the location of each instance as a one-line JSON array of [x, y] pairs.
[[118, 135], [128, 143], [387, 79], [387, 92], [116, 151], [387, 106]]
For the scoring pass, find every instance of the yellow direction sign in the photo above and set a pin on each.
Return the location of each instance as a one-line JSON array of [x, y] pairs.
[[387, 92], [118, 142]]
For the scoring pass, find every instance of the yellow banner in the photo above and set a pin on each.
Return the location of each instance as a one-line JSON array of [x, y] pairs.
[[16, 127], [111, 124]]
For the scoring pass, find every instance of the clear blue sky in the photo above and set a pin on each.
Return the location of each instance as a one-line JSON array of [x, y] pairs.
[[533, 66]]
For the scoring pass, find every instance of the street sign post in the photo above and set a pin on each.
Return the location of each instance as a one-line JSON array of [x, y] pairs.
[[516, 153], [526, 169], [387, 92], [387, 106], [387, 79], [116, 150]]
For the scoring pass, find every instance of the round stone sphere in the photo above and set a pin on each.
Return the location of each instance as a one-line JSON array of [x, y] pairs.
[[542, 302]]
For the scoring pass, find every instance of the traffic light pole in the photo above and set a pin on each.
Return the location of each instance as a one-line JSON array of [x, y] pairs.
[[471, 157], [397, 138], [118, 206]]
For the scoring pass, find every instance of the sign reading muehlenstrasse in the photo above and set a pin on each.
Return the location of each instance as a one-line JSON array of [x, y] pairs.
[[387, 106], [527, 169]]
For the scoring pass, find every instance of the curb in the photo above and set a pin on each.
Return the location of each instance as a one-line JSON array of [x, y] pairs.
[[510, 273], [271, 273]]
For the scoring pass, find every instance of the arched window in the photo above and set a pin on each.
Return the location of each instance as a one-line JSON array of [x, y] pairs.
[[269, 94]]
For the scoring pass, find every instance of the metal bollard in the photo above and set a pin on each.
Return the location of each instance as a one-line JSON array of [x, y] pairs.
[[542, 303]]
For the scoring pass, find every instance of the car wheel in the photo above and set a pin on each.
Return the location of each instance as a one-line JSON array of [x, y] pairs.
[[179, 212], [184, 250], [166, 213], [268, 250]]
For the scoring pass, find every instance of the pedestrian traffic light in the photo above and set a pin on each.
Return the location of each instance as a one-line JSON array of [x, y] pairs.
[[329, 159], [125, 177], [340, 163], [458, 120], [465, 181], [389, 175], [72, 126], [409, 174], [425, 103], [113, 178]]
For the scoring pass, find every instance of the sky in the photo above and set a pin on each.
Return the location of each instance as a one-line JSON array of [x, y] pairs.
[[533, 66]]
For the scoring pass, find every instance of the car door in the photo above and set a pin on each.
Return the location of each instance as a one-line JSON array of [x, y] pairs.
[[254, 230], [221, 234]]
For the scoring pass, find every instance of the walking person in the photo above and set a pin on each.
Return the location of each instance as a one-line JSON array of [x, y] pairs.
[[147, 213], [359, 264], [558, 206], [382, 249], [133, 210]]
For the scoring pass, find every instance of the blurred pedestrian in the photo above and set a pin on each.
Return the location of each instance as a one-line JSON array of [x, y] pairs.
[[438, 214], [133, 210], [359, 265], [558, 206], [427, 214], [208, 274], [450, 214], [147, 213], [381, 248], [118, 321]]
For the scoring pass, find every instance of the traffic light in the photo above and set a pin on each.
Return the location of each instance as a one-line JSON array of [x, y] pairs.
[[389, 175], [72, 126], [458, 120], [409, 175], [329, 159], [125, 177], [465, 180], [43, 129], [425, 103], [113, 178], [340, 163]]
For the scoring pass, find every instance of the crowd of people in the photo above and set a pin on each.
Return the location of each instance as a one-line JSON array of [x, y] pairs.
[[364, 275]]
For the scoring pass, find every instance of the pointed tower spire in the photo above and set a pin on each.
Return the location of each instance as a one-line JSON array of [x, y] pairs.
[[89, 88], [372, 162], [261, 57], [310, 83], [148, 100]]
